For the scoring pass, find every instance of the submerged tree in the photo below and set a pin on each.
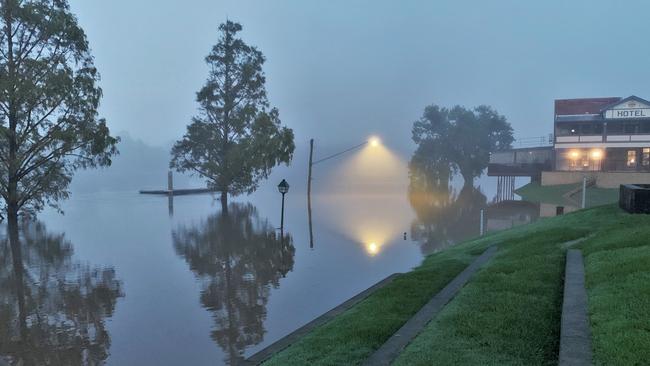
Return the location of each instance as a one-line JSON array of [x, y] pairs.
[[236, 139], [237, 256], [49, 125], [460, 139]]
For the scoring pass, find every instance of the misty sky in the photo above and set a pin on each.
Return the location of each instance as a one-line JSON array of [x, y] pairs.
[[341, 70]]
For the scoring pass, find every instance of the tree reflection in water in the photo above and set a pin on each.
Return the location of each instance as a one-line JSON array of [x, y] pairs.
[[237, 256], [52, 309], [443, 217]]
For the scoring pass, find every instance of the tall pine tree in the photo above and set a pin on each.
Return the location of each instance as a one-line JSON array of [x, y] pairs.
[[236, 139]]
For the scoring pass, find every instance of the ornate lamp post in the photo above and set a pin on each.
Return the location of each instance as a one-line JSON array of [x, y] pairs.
[[283, 187]]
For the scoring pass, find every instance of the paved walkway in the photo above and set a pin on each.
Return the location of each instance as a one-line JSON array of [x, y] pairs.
[[286, 341], [398, 341], [575, 334]]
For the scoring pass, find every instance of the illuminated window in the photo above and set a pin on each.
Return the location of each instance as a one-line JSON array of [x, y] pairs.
[[631, 158], [645, 158]]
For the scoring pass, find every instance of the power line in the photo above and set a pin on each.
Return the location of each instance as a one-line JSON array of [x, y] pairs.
[[338, 153]]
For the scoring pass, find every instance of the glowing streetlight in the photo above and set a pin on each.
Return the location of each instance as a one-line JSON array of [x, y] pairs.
[[372, 248], [374, 141]]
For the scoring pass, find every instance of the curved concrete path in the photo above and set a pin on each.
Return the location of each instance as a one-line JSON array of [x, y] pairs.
[[575, 334]]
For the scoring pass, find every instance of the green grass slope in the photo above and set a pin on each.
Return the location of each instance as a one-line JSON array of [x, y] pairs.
[[509, 313]]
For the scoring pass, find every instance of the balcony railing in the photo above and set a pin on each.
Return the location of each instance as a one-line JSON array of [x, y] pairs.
[[601, 138]]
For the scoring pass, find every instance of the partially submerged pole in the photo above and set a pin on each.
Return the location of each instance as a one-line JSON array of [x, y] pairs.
[[282, 218], [311, 154], [170, 190]]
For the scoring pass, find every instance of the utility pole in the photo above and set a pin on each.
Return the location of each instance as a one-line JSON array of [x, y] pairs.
[[311, 154]]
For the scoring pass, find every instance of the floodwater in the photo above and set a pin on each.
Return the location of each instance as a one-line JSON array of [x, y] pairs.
[[128, 279]]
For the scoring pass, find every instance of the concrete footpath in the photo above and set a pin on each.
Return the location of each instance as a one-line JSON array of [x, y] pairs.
[[398, 341], [575, 334]]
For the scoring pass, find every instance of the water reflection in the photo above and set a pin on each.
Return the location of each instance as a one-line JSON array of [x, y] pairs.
[[237, 256], [52, 309], [363, 198], [445, 219], [507, 214]]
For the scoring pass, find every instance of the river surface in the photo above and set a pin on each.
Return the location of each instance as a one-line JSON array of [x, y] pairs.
[[131, 279]]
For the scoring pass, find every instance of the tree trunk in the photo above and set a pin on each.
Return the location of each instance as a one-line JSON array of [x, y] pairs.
[[17, 263], [12, 211], [224, 202], [468, 178]]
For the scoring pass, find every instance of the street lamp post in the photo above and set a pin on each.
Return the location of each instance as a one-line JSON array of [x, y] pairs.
[[283, 188], [372, 141]]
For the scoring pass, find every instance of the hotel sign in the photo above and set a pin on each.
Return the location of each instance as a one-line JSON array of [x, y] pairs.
[[628, 113], [630, 109]]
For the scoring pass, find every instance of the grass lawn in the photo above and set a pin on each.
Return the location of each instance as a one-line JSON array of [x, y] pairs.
[[354, 335], [509, 313], [534, 192], [599, 196]]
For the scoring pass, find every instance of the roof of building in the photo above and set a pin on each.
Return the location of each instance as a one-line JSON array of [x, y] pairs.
[[631, 98], [567, 107]]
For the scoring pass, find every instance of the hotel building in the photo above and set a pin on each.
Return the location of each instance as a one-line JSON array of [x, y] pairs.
[[604, 139], [602, 134]]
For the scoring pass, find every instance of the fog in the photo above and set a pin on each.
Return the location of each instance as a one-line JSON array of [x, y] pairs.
[[340, 71]]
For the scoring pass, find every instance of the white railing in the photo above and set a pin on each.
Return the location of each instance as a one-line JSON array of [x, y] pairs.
[[539, 141]]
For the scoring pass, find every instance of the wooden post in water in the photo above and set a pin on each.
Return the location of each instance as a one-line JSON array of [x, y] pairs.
[[170, 194], [311, 154]]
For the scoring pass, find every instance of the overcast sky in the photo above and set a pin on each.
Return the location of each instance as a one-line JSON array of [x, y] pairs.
[[341, 70]]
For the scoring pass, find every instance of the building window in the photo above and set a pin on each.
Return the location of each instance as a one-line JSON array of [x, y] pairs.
[[645, 157], [645, 127], [568, 129], [587, 129], [581, 159], [598, 129], [631, 158], [630, 128], [614, 128]]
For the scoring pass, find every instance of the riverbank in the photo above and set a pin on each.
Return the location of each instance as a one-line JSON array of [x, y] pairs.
[[509, 313]]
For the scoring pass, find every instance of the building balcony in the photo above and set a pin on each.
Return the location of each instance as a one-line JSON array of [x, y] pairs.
[[618, 138]]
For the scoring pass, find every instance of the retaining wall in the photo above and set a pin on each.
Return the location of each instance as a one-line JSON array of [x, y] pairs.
[[603, 179]]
